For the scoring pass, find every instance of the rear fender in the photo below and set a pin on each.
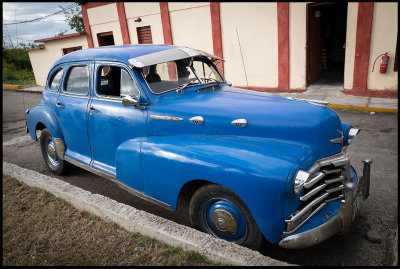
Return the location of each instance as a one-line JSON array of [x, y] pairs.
[[42, 114], [255, 169]]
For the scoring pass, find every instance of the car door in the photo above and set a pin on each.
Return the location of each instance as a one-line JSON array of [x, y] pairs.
[[71, 110], [111, 123]]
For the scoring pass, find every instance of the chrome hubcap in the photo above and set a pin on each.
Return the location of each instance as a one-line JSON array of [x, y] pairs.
[[52, 153], [223, 222], [223, 219]]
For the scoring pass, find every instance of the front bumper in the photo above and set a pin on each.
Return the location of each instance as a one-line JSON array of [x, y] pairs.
[[341, 222]]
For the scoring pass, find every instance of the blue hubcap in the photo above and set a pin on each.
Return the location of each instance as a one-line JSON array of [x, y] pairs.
[[223, 219]]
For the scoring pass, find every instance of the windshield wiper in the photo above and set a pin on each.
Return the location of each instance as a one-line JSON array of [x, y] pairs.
[[184, 85]]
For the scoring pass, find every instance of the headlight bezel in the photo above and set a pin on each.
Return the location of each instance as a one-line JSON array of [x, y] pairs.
[[299, 179]]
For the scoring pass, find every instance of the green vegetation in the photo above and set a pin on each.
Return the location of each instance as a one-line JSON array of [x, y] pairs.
[[41, 229], [17, 68]]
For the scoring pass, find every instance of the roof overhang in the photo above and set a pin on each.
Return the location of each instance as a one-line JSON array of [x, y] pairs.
[[169, 56]]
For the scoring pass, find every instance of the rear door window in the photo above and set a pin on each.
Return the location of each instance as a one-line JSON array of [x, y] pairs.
[[78, 80]]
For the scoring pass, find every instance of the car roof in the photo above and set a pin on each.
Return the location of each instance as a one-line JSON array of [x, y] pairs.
[[113, 53]]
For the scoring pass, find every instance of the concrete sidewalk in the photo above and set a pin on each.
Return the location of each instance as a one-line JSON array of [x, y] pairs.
[[332, 94]]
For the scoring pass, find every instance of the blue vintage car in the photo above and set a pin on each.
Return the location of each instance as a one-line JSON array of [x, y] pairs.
[[164, 124]]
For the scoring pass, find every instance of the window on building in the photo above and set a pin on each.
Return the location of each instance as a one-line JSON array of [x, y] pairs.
[[115, 81], [105, 39], [144, 35], [69, 50], [78, 80]]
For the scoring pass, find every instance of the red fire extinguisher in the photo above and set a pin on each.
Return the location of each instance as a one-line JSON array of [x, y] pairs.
[[384, 63]]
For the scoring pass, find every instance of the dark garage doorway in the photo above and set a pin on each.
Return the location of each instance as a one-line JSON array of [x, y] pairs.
[[326, 41]]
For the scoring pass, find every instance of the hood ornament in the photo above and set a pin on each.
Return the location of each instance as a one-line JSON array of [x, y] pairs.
[[240, 123], [197, 120]]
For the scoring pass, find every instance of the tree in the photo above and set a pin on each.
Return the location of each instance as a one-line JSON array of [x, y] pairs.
[[74, 19]]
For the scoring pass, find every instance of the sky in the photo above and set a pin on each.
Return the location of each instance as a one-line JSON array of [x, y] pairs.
[[30, 31]]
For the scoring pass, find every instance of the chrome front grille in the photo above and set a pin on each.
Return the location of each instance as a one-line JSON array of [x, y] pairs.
[[325, 184]]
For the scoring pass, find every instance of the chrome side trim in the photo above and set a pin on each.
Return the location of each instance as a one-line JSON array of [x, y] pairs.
[[60, 147], [119, 183], [168, 118]]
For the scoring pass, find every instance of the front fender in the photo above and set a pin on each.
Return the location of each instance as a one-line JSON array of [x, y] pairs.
[[43, 114], [253, 168]]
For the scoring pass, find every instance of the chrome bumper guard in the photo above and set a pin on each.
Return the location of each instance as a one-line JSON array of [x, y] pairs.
[[341, 222]]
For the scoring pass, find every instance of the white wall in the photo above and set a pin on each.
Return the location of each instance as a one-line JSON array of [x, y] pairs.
[[149, 13], [350, 53], [297, 44], [383, 39], [43, 59], [105, 19], [257, 27], [191, 25]]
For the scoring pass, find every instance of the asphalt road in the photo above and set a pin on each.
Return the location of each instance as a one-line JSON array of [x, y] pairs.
[[377, 141]]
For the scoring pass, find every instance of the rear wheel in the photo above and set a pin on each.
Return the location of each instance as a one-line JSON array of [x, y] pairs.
[[219, 212], [49, 153]]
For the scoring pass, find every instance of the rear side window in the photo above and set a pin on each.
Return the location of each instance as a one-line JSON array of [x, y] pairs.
[[56, 80], [78, 80]]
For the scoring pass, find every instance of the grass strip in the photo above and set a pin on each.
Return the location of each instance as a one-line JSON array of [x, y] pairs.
[[41, 229]]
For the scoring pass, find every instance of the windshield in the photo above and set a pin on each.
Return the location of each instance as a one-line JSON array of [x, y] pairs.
[[168, 76]]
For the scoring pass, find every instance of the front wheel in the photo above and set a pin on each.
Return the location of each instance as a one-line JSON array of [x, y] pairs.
[[49, 153], [219, 212]]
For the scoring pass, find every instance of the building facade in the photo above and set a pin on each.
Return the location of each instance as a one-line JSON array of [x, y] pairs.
[[284, 46]]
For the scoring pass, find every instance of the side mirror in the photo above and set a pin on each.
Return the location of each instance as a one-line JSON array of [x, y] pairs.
[[128, 100]]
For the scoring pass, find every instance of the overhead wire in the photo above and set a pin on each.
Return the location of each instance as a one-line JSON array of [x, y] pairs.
[[52, 14]]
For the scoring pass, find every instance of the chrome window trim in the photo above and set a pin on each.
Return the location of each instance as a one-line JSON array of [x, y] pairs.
[[51, 76], [67, 73], [101, 97]]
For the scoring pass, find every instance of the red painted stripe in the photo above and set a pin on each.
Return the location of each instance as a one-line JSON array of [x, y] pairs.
[[216, 33], [166, 23], [59, 37], [283, 45], [363, 43], [96, 4], [123, 23], [87, 26]]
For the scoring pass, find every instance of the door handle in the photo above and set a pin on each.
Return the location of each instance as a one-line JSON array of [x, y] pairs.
[[58, 104], [92, 109]]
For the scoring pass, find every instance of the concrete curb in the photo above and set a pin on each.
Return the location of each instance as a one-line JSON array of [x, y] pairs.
[[135, 220]]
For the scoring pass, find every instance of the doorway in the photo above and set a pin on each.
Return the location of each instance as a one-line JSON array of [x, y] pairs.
[[326, 42]]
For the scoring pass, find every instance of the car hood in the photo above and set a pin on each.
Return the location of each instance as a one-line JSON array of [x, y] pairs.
[[269, 116]]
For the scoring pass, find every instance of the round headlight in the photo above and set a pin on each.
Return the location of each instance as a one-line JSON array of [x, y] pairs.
[[352, 133], [299, 180]]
